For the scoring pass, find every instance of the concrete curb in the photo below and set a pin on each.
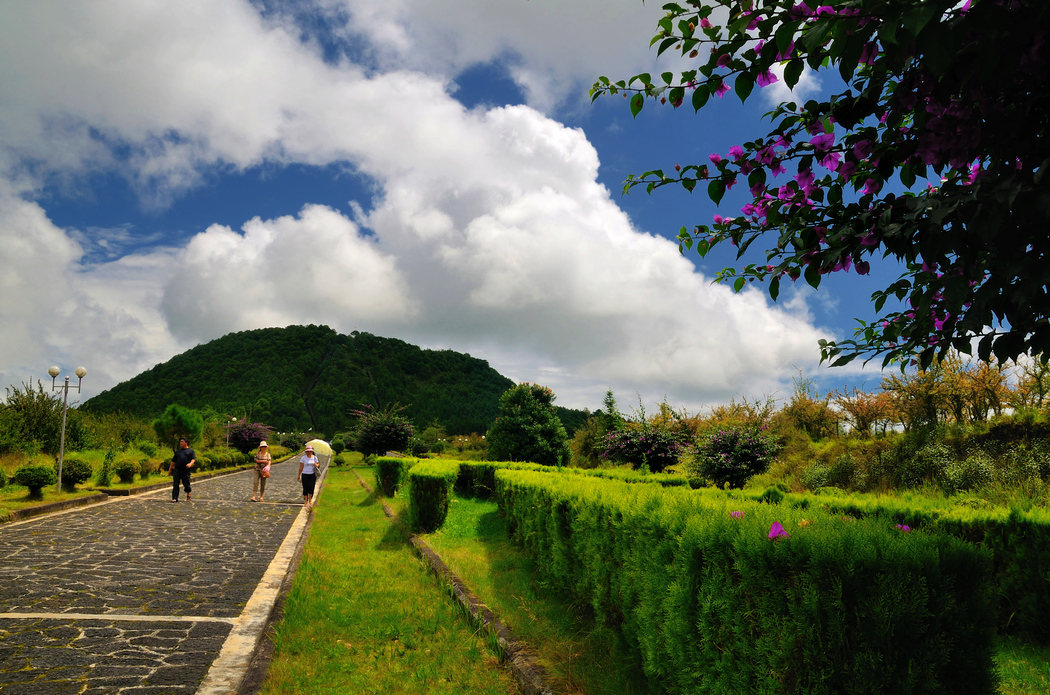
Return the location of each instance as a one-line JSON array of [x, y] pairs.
[[530, 675]]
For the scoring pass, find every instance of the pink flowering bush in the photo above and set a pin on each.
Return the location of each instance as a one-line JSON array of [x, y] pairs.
[[245, 436], [730, 456], [644, 446], [934, 154]]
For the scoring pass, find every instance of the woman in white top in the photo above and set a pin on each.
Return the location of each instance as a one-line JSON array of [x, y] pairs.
[[308, 475]]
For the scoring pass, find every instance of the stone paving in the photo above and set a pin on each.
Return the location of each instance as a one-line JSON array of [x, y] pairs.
[[136, 595]]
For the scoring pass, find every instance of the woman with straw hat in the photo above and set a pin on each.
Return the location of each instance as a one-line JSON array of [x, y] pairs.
[[262, 471]]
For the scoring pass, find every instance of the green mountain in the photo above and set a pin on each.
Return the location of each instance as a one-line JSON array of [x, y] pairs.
[[309, 378]]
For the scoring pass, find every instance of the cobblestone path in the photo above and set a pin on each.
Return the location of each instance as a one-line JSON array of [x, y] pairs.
[[136, 595]]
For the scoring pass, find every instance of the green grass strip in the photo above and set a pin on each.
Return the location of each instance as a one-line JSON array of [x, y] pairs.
[[578, 656], [365, 616]]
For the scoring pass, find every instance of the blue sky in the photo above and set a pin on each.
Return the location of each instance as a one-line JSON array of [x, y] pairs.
[[435, 172]]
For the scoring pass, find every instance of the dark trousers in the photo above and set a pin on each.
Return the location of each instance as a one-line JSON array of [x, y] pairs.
[[308, 483], [180, 474]]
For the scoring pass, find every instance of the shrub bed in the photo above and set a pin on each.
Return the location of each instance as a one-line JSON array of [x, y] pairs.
[[712, 599]]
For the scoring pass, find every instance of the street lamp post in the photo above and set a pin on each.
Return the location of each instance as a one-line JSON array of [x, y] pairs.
[[54, 372], [228, 426]]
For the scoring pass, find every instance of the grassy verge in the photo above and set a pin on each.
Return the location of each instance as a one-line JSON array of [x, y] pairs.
[[364, 615], [474, 544], [16, 497], [1024, 667], [578, 657]]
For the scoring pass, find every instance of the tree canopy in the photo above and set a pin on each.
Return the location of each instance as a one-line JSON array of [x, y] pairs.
[[934, 154], [178, 422], [528, 429]]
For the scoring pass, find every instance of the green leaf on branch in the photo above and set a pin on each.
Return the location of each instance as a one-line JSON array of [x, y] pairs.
[[739, 284], [843, 360], [813, 276], [850, 58], [1007, 346], [774, 288], [916, 19], [785, 35], [793, 72], [637, 102], [907, 175], [716, 189], [743, 85], [700, 97]]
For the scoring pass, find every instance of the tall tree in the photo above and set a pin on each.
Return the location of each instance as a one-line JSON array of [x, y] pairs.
[[527, 428], [947, 97], [178, 422]]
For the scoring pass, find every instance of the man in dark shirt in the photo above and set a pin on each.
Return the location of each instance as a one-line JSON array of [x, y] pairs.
[[181, 463]]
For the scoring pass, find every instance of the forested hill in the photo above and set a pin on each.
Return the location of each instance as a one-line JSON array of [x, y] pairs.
[[310, 378]]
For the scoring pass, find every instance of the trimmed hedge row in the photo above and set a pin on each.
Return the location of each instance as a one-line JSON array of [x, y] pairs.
[[390, 473], [478, 478], [430, 486], [710, 603], [1019, 541]]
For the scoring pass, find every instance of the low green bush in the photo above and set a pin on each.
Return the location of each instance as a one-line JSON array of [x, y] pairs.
[[339, 460], [3, 478], [430, 485], [147, 467], [417, 447], [148, 448], [814, 477], [208, 462], [36, 477], [974, 471], [126, 469], [75, 471]]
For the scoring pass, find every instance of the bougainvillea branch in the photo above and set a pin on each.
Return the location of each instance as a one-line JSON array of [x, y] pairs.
[[935, 155]]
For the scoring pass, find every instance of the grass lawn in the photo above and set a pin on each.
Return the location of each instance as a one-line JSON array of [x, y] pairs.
[[364, 615], [16, 497]]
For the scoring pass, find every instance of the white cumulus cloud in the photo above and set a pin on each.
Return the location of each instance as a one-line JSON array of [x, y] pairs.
[[489, 232]]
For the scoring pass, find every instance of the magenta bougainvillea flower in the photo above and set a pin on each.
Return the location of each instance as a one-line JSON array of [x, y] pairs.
[[903, 528], [737, 514], [777, 531]]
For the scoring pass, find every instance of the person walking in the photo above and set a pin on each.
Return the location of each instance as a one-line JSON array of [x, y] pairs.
[[179, 470], [308, 465], [262, 471]]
